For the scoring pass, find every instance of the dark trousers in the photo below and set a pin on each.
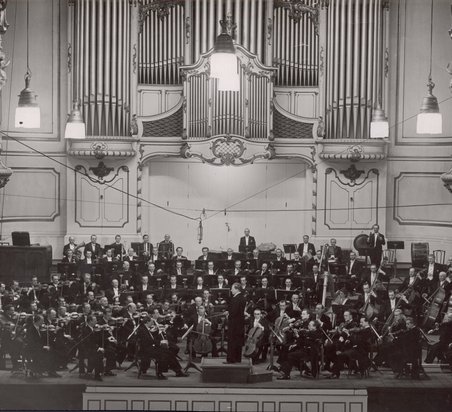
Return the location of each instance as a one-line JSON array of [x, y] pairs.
[[234, 349]]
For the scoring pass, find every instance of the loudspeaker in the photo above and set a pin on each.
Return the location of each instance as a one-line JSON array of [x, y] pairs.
[[21, 238]]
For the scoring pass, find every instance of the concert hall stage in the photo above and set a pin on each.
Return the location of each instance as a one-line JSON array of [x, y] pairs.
[[380, 392]]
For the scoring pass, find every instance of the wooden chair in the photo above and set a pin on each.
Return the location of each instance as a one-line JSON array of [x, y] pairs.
[[440, 256]]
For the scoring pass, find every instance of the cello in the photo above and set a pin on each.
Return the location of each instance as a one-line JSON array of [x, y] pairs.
[[254, 337], [202, 343]]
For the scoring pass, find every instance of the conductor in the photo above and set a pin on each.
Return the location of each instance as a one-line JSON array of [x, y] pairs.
[[236, 324]]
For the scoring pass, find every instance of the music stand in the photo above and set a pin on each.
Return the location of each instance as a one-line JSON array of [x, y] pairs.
[[396, 245], [218, 293], [284, 294], [190, 363], [290, 248]]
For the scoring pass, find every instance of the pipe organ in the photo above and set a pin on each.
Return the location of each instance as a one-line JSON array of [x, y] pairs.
[[333, 46], [101, 47], [355, 48]]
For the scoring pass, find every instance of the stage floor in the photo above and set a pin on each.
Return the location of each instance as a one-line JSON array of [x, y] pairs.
[[385, 392]]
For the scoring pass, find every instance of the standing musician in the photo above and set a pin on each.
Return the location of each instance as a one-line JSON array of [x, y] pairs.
[[306, 251], [69, 246], [119, 251], [356, 350], [375, 242], [94, 248], [9, 333], [353, 270], [145, 249], [247, 243], [314, 285], [90, 347], [108, 341], [152, 346], [39, 350], [333, 252], [165, 249], [236, 324], [305, 349]]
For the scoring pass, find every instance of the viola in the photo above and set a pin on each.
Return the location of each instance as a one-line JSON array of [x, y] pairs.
[[254, 337]]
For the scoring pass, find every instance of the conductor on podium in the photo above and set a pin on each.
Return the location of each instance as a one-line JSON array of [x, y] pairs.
[[236, 324]]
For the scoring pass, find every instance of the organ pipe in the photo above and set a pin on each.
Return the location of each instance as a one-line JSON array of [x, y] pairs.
[[355, 44]]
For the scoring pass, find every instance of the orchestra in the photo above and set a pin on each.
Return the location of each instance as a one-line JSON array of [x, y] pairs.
[[136, 304]]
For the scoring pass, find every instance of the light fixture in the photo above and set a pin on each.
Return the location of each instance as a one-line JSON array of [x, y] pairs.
[[429, 119], [223, 61], [28, 114], [379, 126], [75, 126], [231, 82]]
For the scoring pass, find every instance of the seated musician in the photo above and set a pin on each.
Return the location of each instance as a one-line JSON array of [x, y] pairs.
[[298, 262], [114, 291], [108, 339], [291, 272], [294, 309], [306, 348], [119, 251], [237, 271], [84, 287], [356, 350], [258, 321], [89, 259], [306, 249], [408, 349], [108, 257], [94, 248], [126, 277], [205, 254], [152, 346], [196, 318], [144, 288], [69, 257], [373, 275], [130, 256], [221, 282], [245, 289], [441, 348], [207, 301], [127, 333], [321, 317], [43, 359], [210, 270], [431, 287], [340, 339], [279, 262], [314, 285], [247, 243], [431, 269], [230, 254], [179, 254], [288, 285], [165, 249], [200, 283], [320, 260], [8, 333], [179, 270], [264, 270], [172, 285], [393, 302], [149, 304], [145, 249], [264, 295], [334, 252]]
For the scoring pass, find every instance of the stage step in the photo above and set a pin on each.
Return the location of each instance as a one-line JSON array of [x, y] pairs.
[[214, 370], [436, 368]]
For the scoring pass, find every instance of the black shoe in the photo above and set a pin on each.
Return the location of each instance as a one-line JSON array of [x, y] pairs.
[[98, 378], [228, 362], [53, 375], [181, 374], [109, 373], [283, 377], [161, 377]]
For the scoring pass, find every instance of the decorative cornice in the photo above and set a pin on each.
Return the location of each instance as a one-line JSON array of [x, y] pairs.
[[101, 148], [352, 149], [228, 151]]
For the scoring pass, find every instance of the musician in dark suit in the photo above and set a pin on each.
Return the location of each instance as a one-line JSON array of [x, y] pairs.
[[353, 268], [93, 247], [179, 254], [166, 249], [258, 322], [236, 323], [131, 256], [247, 243], [334, 252], [40, 353], [179, 270], [91, 348], [205, 254], [119, 250], [145, 249], [431, 269], [69, 246], [375, 242], [314, 285], [306, 248]]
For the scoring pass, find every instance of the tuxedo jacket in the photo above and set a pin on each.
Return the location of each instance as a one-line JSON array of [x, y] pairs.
[[243, 248], [311, 249], [356, 268], [95, 249], [66, 248], [380, 241], [141, 248]]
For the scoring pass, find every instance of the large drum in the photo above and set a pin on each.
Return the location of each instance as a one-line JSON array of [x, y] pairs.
[[419, 254], [360, 244]]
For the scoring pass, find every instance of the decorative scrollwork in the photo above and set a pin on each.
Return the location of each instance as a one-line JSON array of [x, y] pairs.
[[187, 30], [321, 61], [99, 149], [297, 8], [69, 58], [352, 173], [101, 171], [134, 58], [161, 7], [269, 31], [355, 152], [228, 149]]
